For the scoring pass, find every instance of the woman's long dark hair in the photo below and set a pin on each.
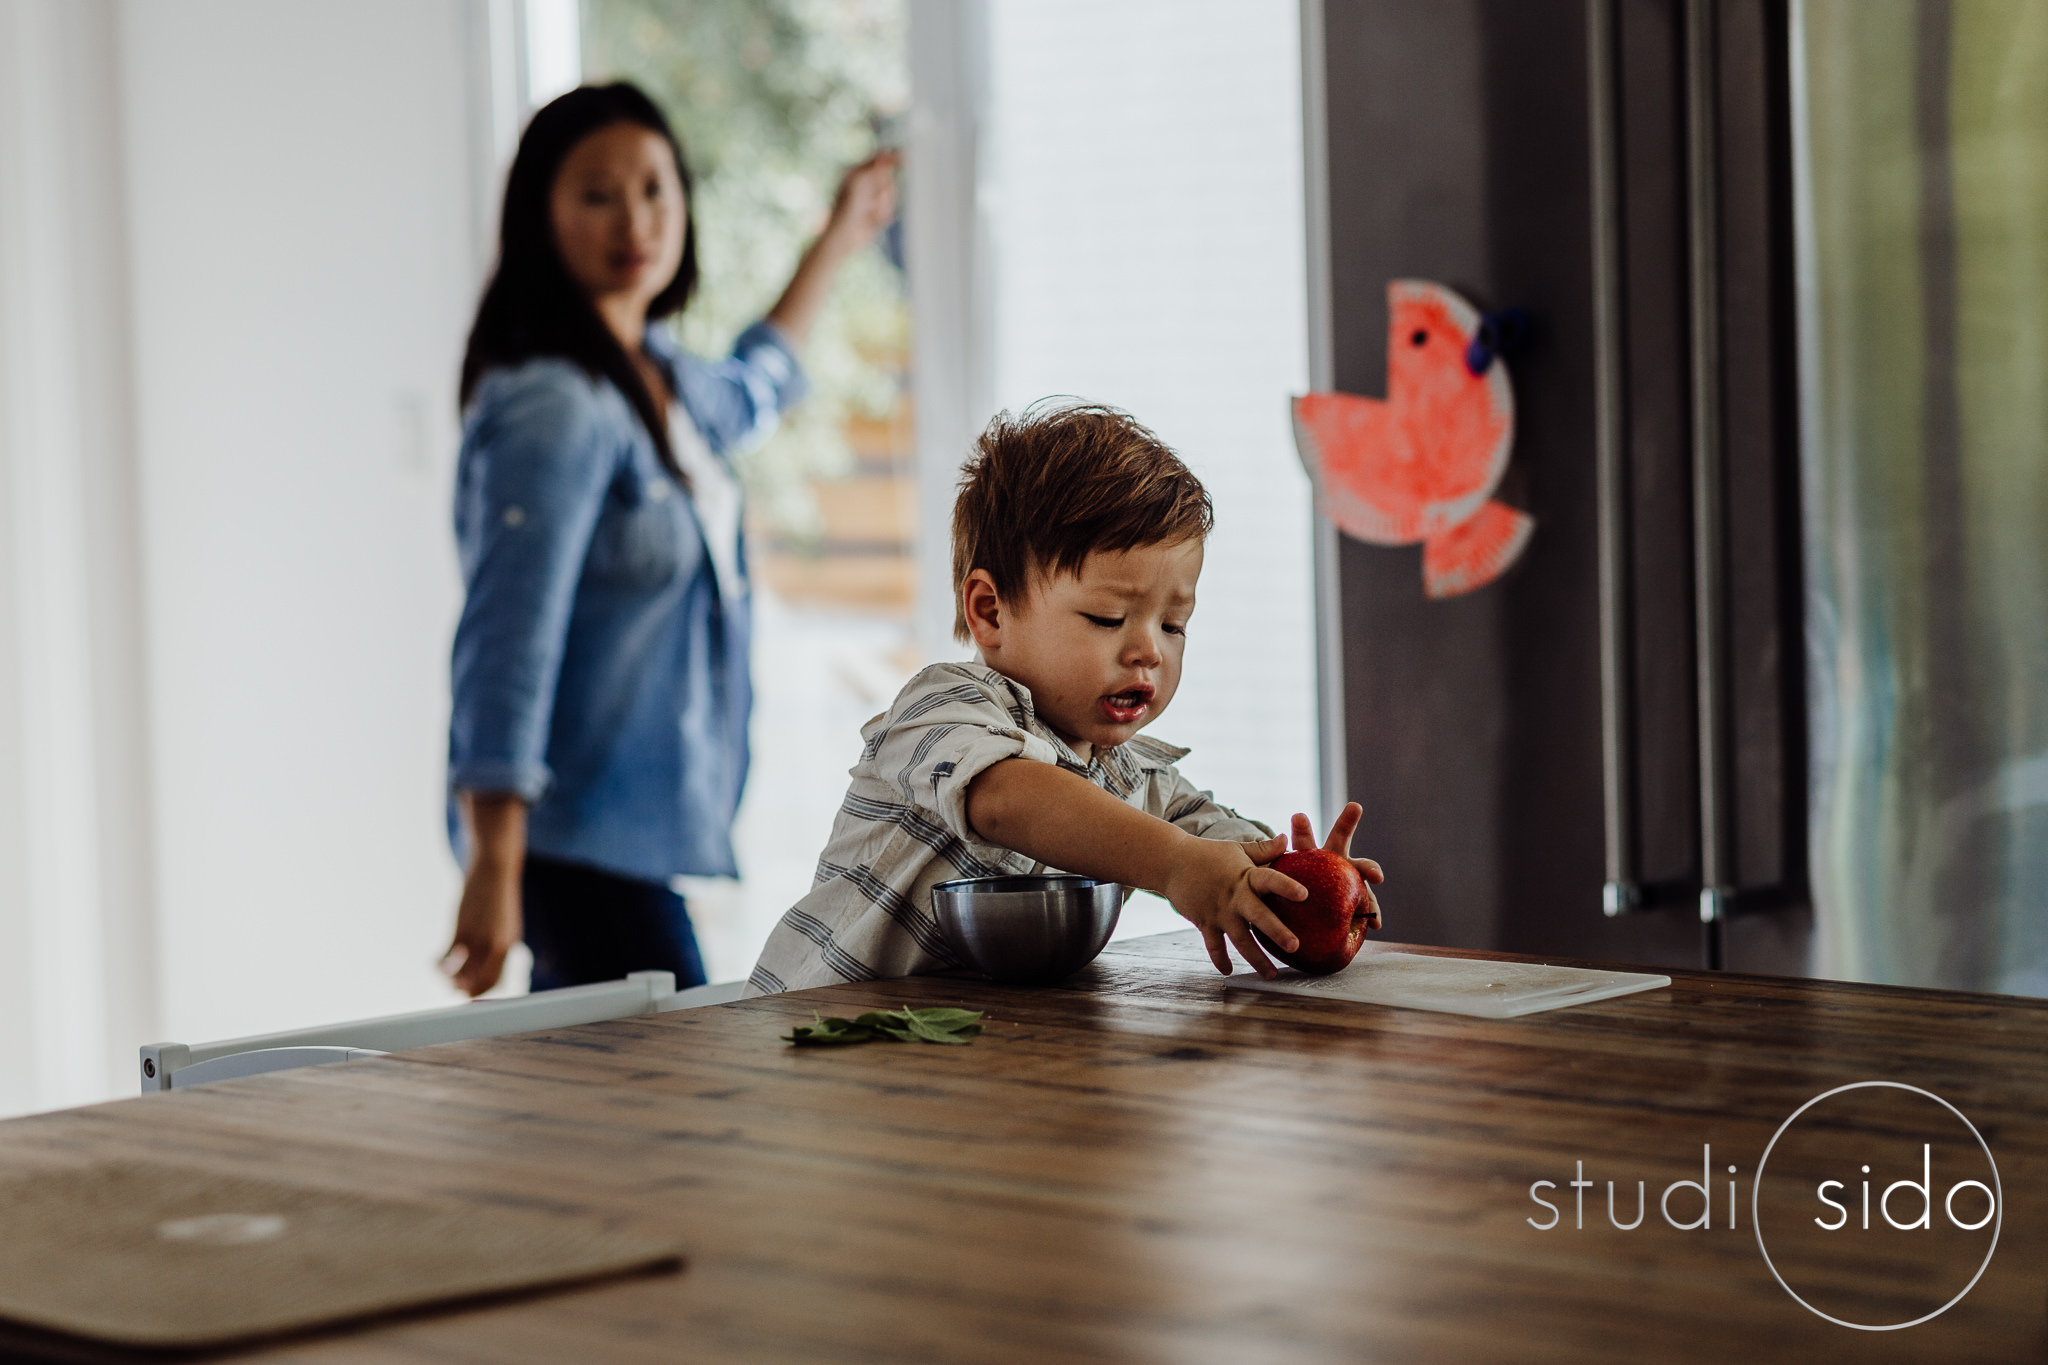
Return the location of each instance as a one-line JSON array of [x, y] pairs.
[[532, 307]]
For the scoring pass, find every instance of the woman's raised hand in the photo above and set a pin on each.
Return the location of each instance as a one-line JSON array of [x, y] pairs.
[[866, 202]]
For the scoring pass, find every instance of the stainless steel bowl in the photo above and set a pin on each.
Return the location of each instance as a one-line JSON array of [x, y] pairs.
[[1028, 930]]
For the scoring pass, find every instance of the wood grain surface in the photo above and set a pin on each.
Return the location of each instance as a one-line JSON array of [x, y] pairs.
[[1142, 1165]]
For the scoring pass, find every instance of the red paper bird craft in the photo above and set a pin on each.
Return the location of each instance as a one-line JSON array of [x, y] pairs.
[[1422, 464]]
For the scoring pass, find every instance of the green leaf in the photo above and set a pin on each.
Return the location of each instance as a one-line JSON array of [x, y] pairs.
[[931, 1033], [953, 1021], [886, 1024], [809, 1037], [953, 1027], [829, 1029]]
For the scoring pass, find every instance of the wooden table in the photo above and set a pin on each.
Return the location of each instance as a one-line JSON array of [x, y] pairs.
[[1140, 1165]]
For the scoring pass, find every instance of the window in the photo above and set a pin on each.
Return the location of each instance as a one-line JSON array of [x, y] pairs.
[[772, 101]]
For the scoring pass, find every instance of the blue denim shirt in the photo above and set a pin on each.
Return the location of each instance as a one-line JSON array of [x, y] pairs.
[[598, 672]]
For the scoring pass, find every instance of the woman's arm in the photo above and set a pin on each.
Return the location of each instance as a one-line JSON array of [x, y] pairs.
[[533, 485], [488, 921], [865, 204], [736, 402], [536, 466]]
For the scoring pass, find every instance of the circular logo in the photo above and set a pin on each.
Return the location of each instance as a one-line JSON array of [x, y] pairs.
[[1852, 1215]]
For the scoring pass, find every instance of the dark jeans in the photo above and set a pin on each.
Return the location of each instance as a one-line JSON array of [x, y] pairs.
[[584, 925]]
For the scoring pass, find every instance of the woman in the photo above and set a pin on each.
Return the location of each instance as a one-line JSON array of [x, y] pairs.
[[598, 740]]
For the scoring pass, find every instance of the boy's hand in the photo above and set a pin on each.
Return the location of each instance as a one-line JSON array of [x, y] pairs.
[[1216, 886], [1339, 843]]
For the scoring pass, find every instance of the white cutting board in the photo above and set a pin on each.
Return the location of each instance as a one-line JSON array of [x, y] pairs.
[[1457, 985]]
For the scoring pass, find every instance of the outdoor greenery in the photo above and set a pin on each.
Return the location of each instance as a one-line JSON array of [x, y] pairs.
[[773, 100]]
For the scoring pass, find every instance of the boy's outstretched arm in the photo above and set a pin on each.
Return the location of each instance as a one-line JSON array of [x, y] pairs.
[[1056, 817]]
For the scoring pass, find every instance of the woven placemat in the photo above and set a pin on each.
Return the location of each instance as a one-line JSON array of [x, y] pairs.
[[151, 1256]]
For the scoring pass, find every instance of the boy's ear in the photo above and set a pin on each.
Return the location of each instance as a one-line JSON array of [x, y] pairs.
[[982, 609]]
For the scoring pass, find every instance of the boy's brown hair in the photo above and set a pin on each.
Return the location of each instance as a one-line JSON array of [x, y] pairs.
[[1043, 490]]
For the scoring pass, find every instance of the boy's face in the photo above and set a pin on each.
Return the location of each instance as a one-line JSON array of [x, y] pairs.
[[1101, 649]]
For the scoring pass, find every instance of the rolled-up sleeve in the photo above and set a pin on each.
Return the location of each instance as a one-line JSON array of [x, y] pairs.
[[736, 402], [936, 740], [534, 480]]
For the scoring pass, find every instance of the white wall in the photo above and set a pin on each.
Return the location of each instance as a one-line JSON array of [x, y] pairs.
[[77, 947], [238, 252], [300, 197], [1143, 183]]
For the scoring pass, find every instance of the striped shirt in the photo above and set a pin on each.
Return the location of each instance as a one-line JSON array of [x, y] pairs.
[[903, 826]]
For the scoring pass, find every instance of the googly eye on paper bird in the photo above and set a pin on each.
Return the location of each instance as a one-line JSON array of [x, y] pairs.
[[1421, 464]]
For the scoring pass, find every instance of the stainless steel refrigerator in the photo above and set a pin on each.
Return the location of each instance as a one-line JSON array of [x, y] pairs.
[[1768, 689]]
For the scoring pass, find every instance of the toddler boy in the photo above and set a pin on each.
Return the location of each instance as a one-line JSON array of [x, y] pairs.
[[1077, 542]]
